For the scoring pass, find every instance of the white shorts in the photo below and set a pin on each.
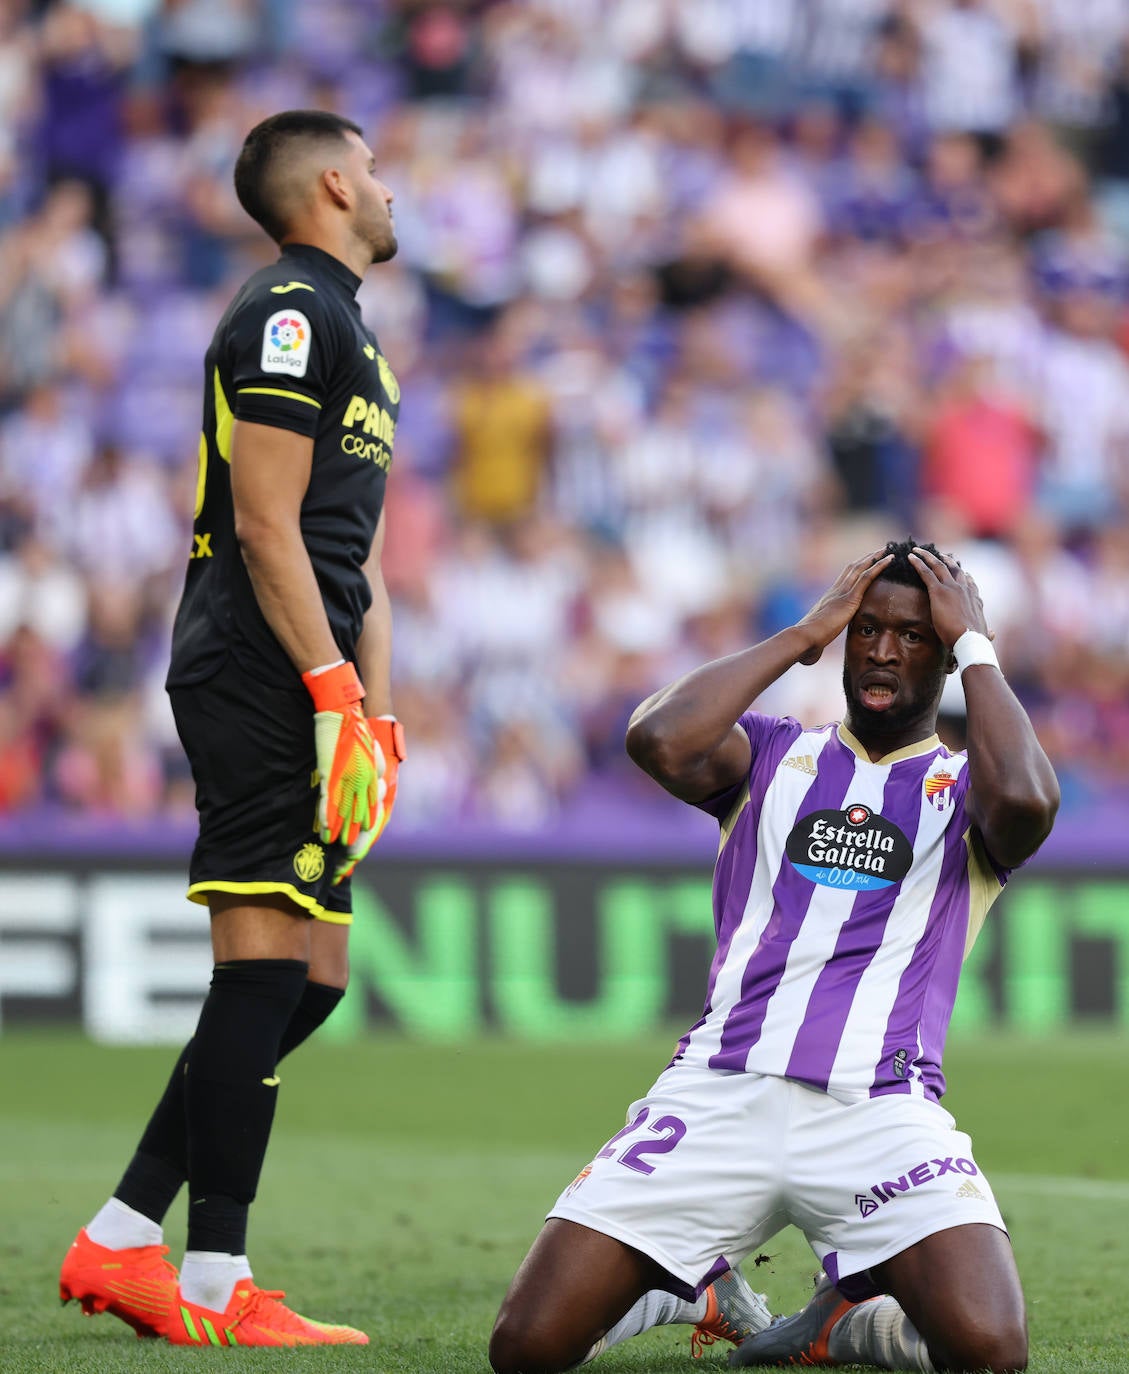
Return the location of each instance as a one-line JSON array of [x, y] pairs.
[[712, 1164]]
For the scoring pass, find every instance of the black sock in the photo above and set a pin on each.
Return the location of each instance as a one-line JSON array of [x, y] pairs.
[[231, 1090], [160, 1165], [318, 1003]]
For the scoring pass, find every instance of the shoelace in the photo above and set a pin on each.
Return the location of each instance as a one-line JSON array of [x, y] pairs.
[[256, 1308], [291, 1320], [700, 1337]]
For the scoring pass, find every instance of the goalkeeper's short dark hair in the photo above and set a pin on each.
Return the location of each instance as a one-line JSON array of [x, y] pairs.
[[262, 159]]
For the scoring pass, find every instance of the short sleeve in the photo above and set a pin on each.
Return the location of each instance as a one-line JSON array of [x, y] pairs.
[[760, 730], [281, 358]]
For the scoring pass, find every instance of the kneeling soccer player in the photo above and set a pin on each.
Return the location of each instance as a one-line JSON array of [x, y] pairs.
[[856, 866]]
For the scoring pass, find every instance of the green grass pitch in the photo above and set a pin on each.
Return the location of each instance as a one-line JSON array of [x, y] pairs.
[[405, 1182]]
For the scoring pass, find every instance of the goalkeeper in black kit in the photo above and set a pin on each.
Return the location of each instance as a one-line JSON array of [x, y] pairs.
[[280, 687]]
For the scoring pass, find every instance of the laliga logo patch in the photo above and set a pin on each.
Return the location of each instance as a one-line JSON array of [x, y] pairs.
[[286, 343], [287, 336], [939, 790], [853, 849]]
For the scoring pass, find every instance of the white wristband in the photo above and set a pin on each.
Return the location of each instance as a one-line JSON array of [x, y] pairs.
[[325, 667], [973, 648]]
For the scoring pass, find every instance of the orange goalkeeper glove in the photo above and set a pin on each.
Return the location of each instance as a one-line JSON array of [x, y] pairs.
[[349, 764], [389, 736]]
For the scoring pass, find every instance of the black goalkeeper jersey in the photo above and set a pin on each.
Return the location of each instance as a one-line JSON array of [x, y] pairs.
[[291, 351]]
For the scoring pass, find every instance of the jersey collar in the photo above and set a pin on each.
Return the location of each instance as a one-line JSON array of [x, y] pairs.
[[325, 262], [923, 746]]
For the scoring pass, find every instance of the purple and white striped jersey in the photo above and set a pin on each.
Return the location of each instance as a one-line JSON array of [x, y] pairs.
[[846, 895]]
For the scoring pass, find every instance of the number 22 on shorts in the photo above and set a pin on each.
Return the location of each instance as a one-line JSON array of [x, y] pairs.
[[669, 1130]]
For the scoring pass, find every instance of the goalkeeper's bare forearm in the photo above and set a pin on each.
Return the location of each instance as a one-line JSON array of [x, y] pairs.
[[374, 647]]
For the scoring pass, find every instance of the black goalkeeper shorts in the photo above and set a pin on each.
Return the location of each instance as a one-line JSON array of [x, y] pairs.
[[251, 748]]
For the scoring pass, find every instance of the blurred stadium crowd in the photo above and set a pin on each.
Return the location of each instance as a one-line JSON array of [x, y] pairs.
[[695, 300]]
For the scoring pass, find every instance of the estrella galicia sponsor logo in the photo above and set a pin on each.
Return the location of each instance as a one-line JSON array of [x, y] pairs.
[[929, 1169], [854, 849]]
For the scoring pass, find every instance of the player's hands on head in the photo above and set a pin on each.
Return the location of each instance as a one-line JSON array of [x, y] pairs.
[[832, 613], [955, 604], [349, 763]]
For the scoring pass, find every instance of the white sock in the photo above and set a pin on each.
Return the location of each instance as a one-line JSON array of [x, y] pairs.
[[655, 1308], [208, 1278], [119, 1227], [878, 1332]]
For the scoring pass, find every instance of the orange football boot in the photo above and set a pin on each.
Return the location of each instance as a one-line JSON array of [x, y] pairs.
[[254, 1316], [138, 1285]]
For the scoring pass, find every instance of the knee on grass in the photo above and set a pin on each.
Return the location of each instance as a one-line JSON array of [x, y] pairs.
[[520, 1348], [999, 1351]]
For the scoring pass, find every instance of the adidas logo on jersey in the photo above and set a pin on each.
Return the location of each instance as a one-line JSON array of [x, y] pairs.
[[802, 763], [968, 1190]]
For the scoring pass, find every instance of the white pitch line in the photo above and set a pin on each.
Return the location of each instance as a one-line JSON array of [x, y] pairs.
[[1063, 1185], [1056, 1185]]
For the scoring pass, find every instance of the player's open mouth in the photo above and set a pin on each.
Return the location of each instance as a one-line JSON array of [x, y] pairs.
[[877, 695]]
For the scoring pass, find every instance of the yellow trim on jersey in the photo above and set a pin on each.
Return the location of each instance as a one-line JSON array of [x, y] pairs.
[[923, 746], [274, 391], [731, 820], [984, 886], [320, 913], [224, 418], [201, 474]]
